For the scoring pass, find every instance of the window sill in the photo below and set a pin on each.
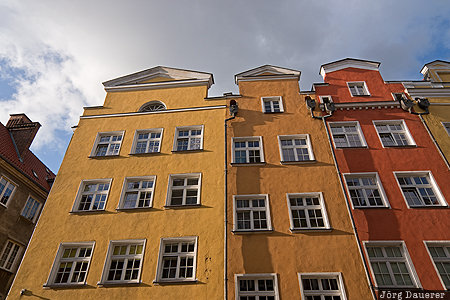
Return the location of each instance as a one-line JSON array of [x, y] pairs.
[[252, 231], [121, 283], [305, 230], [273, 112], [350, 147], [104, 156], [82, 212], [182, 206], [371, 207], [64, 285], [295, 162], [400, 146], [429, 206], [3, 205], [144, 153], [28, 220], [360, 95], [6, 270], [184, 151], [248, 164], [134, 208], [175, 281]]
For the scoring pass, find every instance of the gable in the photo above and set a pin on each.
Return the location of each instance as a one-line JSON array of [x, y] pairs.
[[267, 72]]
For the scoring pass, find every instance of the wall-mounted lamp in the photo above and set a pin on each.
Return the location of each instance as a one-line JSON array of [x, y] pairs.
[[233, 108]]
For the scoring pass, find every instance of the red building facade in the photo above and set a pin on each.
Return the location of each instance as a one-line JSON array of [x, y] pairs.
[[396, 182]]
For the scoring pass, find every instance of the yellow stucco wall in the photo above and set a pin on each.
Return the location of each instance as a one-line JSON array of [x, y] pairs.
[[281, 251], [57, 225]]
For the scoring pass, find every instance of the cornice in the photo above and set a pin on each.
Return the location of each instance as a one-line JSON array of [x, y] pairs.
[[158, 85], [364, 105]]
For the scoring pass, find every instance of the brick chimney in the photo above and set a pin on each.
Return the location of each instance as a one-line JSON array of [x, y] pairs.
[[23, 131]]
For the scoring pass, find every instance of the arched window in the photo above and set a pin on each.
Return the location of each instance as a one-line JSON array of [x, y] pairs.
[[152, 106]]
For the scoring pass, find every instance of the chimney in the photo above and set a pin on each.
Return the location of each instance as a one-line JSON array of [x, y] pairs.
[[23, 131]]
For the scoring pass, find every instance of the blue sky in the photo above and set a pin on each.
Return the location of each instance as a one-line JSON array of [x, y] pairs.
[[55, 54]]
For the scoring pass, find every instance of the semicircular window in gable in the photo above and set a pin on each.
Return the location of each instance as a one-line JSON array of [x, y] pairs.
[[152, 106]]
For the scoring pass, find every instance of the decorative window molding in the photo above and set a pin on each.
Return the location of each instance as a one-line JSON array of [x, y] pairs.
[[107, 143], [439, 252], [393, 133], [188, 138], [137, 192], [446, 127], [123, 262], [358, 88], [307, 211], [7, 189], [419, 189], [184, 189], [71, 264], [92, 195], [177, 260], [347, 134], [365, 190], [391, 265], [256, 286], [295, 148], [246, 150], [152, 106], [147, 141], [325, 99], [31, 209], [10, 255], [272, 104], [322, 286], [251, 213]]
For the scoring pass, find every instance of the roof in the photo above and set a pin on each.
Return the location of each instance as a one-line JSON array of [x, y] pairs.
[[29, 161], [435, 63], [267, 72], [348, 63]]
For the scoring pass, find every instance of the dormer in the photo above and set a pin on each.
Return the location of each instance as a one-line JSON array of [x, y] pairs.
[[436, 71], [267, 72]]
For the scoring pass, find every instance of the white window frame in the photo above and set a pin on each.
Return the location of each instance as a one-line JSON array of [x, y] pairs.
[[322, 293], [59, 259], [365, 92], [251, 209], [107, 266], [271, 99], [321, 98], [97, 142], [247, 149], [446, 127], [405, 258], [404, 131], [348, 123], [178, 255], [378, 184], [321, 206], [433, 184], [293, 137], [26, 211], [138, 190], [149, 131], [9, 182], [185, 188], [184, 128], [445, 245], [16, 258], [80, 194], [256, 277]]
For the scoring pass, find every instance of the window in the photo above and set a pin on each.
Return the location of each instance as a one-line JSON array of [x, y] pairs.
[[347, 134], [419, 189], [71, 264], [92, 195], [365, 190], [358, 88], [399, 96], [247, 150], [184, 189], [325, 99], [393, 133], [251, 213], [123, 262], [391, 265], [440, 254], [137, 192], [31, 209], [295, 148], [6, 190], [177, 259], [322, 286], [147, 141], [447, 127], [152, 106], [10, 255], [272, 104], [107, 143], [256, 286], [307, 211], [188, 138]]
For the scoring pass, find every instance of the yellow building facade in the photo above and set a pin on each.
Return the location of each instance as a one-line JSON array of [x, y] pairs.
[[137, 208], [290, 233], [436, 88]]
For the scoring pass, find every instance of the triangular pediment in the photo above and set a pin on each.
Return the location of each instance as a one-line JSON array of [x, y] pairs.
[[349, 63], [160, 75], [267, 72]]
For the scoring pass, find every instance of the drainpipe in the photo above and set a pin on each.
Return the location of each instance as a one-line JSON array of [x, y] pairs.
[[423, 103], [233, 112], [330, 108]]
